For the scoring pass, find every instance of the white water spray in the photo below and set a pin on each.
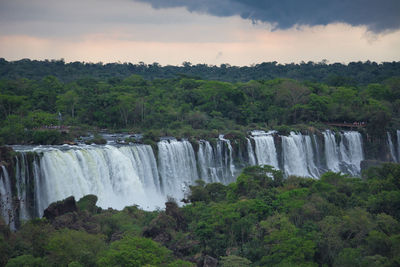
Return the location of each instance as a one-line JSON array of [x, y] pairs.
[[391, 147], [177, 166], [298, 155], [250, 152], [265, 149]]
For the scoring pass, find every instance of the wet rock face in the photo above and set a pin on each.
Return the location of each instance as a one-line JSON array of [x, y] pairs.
[[5, 155], [172, 209], [66, 214], [366, 164], [60, 208], [80, 221], [208, 261], [161, 225]]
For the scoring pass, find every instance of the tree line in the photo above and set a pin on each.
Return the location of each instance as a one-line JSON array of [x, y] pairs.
[[335, 74]]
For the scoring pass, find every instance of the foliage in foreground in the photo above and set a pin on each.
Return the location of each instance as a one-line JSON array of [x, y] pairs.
[[260, 220]]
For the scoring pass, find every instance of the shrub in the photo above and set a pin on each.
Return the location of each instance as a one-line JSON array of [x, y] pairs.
[[135, 251]]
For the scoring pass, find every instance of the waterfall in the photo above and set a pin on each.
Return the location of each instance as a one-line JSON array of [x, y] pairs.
[[298, 155], [228, 156], [207, 162], [331, 151], [117, 176], [317, 150], [310, 156], [177, 166], [39, 193], [265, 149], [347, 156], [23, 180], [216, 163], [250, 152], [6, 199], [351, 151], [398, 144], [144, 162], [391, 147], [130, 174]]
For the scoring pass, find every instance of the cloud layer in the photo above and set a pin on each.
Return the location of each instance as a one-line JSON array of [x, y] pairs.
[[129, 30], [377, 15]]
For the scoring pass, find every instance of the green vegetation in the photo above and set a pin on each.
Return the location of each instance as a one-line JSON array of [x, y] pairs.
[[260, 220], [98, 140], [136, 251], [34, 110], [333, 74]]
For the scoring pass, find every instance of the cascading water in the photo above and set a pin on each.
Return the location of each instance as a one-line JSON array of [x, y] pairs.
[[228, 156], [265, 149], [6, 199], [317, 150], [398, 144], [109, 172], [209, 171], [144, 162], [391, 147], [345, 157], [216, 163], [331, 151], [351, 151], [298, 156], [250, 152], [177, 166], [127, 175], [22, 181], [310, 156]]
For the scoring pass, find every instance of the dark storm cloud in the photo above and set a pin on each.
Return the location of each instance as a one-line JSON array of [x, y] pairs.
[[377, 15]]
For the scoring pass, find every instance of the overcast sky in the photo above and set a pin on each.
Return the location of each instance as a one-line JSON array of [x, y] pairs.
[[238, 32]]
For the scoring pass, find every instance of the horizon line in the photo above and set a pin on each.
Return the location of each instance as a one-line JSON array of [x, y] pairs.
[[228, 65]]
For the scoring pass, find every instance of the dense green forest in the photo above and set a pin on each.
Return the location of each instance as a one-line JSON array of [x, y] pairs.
[[186, 105], [335, 74], [260, 220]]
